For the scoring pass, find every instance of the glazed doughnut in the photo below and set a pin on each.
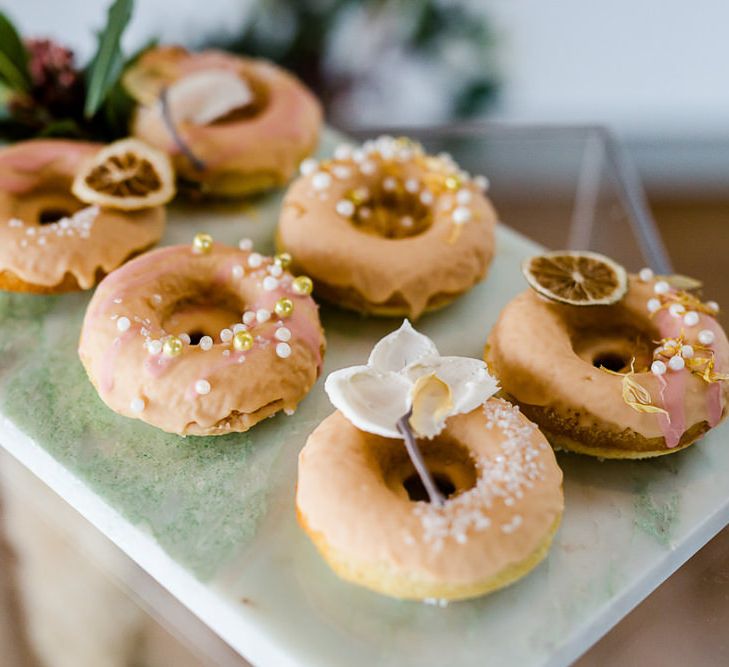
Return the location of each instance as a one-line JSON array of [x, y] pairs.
[[51, 242], [386, 229], [547, 356], [163, 339], [505, 504], [250, 149]]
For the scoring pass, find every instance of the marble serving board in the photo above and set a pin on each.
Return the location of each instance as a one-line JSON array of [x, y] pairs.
[[212, 519]]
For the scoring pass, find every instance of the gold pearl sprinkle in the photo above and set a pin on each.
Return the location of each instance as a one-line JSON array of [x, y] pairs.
[[283, 259], [284, 307], [202, 243], [452, 182], [358, 196], [242, 341], [172, 346], [302, 285]]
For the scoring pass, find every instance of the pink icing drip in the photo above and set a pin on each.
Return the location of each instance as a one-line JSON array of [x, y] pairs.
[[109, 360], [157, 364], [673, 387], [714, 394]]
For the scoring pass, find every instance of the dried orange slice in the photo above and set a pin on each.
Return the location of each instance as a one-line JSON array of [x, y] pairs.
[[578, 278], [127, 175]]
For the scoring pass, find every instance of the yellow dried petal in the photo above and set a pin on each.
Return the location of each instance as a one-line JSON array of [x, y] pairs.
[[638, 397], [432, 402]]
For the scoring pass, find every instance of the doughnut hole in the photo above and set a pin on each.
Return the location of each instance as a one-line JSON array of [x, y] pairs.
[[614, 349], [255, 108], [448, 461], [44, 208], [392, 214]]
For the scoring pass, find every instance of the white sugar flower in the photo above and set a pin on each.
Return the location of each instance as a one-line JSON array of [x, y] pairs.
[[405, 375]]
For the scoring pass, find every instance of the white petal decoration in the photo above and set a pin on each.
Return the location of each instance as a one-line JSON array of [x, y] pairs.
[[401, 348], [206, 95], [432, 402], [372, 401]]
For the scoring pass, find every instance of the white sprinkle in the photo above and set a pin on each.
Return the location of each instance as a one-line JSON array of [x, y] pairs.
[[341, 172], [365, 212], [676, 309], [270, 283], [426, 197], [481, 182], [255, 260], [345, 208], [249, 317], [343, 151], [283, 350], [226, 335], [645, 274], [308, 166], [202, 387], [687, 351], [713, 306], [283, 334], [157, 298], [389, 184], [136, 405], [676, 363], [288, 412], [407, 221], [691, 319], [368, 167], [263, 315], [185, 338], [512, 525], [276, 270], [123, 324], [154, 346], [226, 353], [321, 180], [237, 271], [239, 327], [245, 244], [661, 287], [206, 343], [706, 337], [412, 185], [658, 367], [461, 215], [117, 300], [653, 305], [358, 155], [463, 197]]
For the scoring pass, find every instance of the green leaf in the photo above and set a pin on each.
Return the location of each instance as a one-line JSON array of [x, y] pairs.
[[106, 66], [13, 56]]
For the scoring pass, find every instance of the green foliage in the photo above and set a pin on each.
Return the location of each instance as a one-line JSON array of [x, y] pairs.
[[13, 57]]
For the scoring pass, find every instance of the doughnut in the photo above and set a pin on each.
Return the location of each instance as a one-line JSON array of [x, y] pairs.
[[421, 485], [51, 242], [247, 149], [202, 339], [643, 377], [388, 230], [355, 500]]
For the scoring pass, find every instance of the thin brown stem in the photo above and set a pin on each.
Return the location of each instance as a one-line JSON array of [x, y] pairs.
[[403, 425], [197, 163]]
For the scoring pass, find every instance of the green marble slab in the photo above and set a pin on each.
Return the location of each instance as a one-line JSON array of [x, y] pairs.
[[212, 519]]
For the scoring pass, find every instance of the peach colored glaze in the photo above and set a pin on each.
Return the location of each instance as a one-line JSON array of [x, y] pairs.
[[273, 141], [516, 502], [148, 290], [37, 175], [534, 354], [443, 260]]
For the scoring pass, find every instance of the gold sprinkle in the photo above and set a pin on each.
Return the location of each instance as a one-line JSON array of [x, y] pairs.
[[358, 196], [302, 285], [283, 259], [452, 182], [242, 341], [284, 307], [202, 243], [172, 346]]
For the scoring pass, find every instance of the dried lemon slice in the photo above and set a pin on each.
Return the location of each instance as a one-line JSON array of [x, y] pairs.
[[127, 175], [578, 278]]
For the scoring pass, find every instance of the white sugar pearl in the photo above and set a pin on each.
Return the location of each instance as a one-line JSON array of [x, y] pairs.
[[426, 197], [245, 244], [263, 315], [345, 208], [237, 271], [365, 212], [687, 351], [461, 215], [706, 337], [283, 334], [283, 350], [341, 172], [123, 324], [368, 167], [226, 335], [653, 305], [343, 151], [481, 182], [321, 180], [691, 319], [389, 183], [658, 367], [270, 283], [255, 260], [676, 309], [206, 343], [308, 166], [661, 287], [239, 327], [358, 155], [137, 405], [676, 363], [713, 306], [645, 274], [276, 270], [185, 338], [202, 387], [154, 346], [463, 196], [249, 317], [412, 185], [407, 221]]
